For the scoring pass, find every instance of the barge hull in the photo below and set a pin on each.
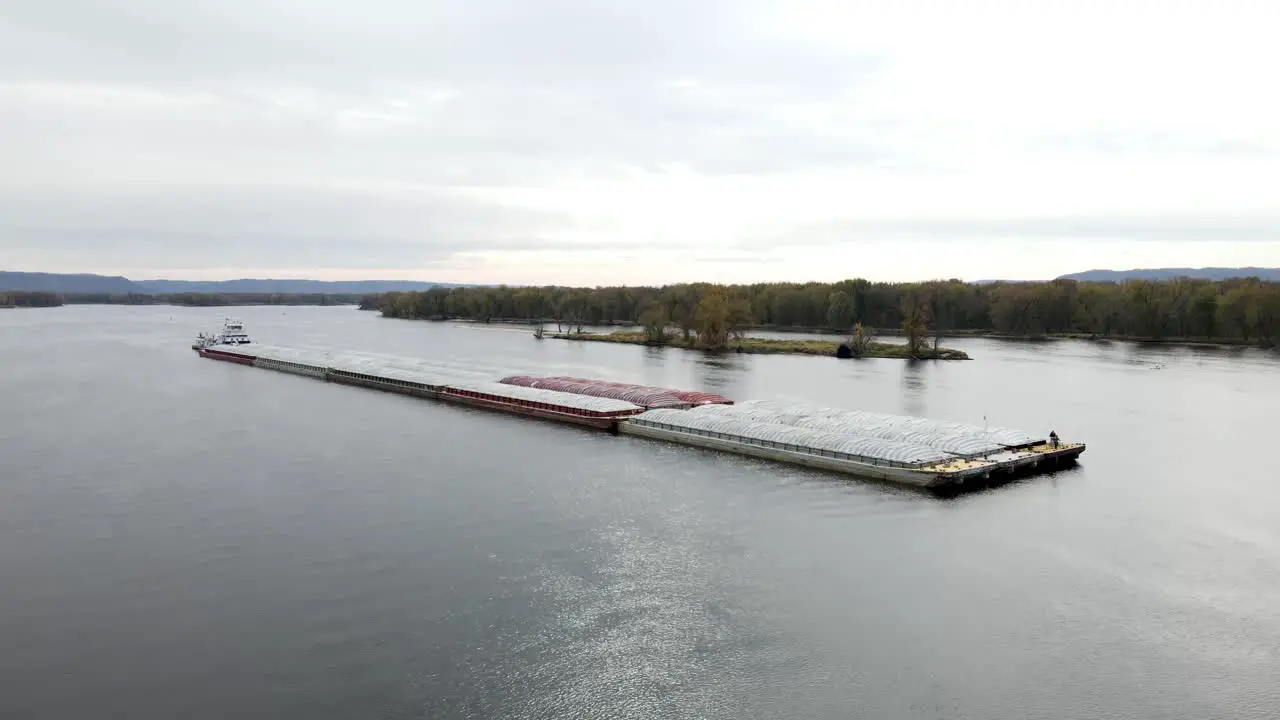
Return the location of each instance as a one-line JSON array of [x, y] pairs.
[[290, 368], [600, 423], [388, 386], [225, 356]]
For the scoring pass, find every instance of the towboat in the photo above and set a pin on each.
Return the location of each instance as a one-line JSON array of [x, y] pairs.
[[232, 334]]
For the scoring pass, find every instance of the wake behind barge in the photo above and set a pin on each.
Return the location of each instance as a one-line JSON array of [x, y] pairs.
[[937, 455]]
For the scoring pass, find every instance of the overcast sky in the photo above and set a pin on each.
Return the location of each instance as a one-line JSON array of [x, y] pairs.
[[648, 141]]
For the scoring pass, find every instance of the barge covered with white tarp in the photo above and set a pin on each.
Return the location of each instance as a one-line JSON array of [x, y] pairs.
[[894, 448]]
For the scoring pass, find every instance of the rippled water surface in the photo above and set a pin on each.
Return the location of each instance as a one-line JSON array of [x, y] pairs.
[[181, 538]]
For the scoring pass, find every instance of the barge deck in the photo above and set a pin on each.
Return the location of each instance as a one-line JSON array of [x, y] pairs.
[[907, 462]]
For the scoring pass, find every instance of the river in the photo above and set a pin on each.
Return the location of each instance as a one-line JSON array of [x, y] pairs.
[[186, 538]]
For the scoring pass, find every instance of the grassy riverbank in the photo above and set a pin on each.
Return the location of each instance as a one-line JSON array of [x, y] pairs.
[[763, 346]]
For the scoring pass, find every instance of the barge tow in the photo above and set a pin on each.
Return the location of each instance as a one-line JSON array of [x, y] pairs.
[[937, 455]]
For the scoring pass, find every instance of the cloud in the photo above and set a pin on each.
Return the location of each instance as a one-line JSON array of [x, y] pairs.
[[259, 226], [544, 139], [1177, 227]]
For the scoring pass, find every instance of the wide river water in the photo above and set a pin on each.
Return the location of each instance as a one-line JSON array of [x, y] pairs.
[[181, 538]]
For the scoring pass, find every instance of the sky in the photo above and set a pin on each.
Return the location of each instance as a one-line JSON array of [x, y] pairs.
[[594, 142]]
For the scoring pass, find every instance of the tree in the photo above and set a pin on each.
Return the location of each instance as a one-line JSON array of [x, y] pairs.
[[1181, 294], [712, 318], [860, 340], [1204, 310], [1233, 312], [940, 306], [839, 310], [741, 317], [1018, 309], [1149, 306], [573, 310], [915, 321], [483, 306], [655, 319], [1268, 317], [684, 309]]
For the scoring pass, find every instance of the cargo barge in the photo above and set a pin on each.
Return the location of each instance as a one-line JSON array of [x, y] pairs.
[[602, 413], [436, 381], [937, 455], [914, 458]]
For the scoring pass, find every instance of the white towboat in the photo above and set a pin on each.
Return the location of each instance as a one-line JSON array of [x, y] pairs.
[[232, 334]]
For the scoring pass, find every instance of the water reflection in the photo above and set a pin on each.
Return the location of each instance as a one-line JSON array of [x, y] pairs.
[[1219, 351], [653, 366], [914, 387], [654, 356], [1159, 356], [718, 370]]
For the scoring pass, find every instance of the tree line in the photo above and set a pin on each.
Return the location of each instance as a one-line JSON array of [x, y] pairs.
[[1238, 310], [29, 299]]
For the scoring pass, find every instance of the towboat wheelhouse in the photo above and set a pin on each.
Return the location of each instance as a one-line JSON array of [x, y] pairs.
[[232, 334]]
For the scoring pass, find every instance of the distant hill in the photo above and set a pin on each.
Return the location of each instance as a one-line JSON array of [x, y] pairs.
[[86, 283], [54, 282], [284, 286], [1272, 274]]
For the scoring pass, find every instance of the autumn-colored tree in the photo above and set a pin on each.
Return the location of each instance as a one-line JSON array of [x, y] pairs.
[[712, 318], [860, 340]]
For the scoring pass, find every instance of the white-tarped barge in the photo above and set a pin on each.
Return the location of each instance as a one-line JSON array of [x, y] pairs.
[[914, 451]]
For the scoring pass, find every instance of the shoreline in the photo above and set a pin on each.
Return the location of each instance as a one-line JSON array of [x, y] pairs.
[[767, 346], [894, 332]]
